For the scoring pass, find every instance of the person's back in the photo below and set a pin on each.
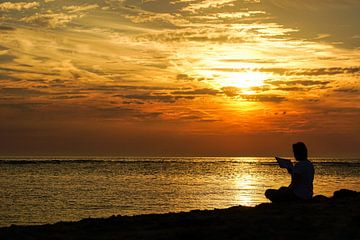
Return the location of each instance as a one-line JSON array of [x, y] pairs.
[[304, 187]]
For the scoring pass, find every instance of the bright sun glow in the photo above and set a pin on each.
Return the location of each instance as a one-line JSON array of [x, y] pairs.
[[242, 80]]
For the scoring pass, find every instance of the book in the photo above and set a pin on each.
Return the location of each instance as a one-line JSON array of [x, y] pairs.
[[284, 163]]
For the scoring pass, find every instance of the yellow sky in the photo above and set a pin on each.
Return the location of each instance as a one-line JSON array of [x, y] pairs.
[[183, 77]]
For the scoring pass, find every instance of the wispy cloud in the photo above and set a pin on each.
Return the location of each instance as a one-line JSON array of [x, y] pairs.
[[80, 8], [17, 6], [50, 19], [198, 5]]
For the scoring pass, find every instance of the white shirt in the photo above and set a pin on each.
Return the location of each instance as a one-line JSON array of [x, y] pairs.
[[304, 170]]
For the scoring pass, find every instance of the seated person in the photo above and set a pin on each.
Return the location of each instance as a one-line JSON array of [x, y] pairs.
[[302, 177]]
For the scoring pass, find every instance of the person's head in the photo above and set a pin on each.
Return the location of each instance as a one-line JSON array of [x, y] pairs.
[[300, 151]]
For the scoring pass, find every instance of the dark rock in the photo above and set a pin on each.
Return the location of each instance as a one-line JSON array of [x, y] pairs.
[[345, 193], [319, 199]]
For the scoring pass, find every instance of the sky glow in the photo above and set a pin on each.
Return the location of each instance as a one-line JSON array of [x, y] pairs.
[[158, 77]]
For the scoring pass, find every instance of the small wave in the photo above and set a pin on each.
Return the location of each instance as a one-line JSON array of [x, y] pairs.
[[338, 163], [129, 160], [47, 161]]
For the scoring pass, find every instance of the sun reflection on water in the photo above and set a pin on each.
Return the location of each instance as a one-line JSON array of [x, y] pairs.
[[245, 185]]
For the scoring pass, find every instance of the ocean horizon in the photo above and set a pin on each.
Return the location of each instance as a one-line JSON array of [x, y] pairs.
[[48, 189]]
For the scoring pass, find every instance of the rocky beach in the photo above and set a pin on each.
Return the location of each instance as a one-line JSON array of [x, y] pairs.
[[337, 217]]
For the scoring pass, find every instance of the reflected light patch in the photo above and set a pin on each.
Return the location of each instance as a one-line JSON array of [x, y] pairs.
[[245, 186]]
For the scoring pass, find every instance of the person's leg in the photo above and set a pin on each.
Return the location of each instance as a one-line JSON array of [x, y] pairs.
[[283, 194], [273, 195]]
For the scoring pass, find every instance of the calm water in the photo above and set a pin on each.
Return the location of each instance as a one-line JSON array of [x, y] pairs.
[[47, 190]]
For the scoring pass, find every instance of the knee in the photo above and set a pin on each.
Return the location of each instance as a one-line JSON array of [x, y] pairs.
[[269, 193]]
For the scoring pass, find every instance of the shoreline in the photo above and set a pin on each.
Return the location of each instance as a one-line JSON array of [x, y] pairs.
[[337, 217]]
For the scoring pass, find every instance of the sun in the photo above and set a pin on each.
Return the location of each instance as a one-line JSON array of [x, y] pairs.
[[243, 80]]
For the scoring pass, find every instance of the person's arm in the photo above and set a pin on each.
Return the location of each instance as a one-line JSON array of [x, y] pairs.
[[285, 163]]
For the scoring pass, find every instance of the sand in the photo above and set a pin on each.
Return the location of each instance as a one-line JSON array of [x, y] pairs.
[[323, 218]]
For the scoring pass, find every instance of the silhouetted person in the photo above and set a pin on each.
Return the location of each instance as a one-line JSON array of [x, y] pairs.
[[302, 177]]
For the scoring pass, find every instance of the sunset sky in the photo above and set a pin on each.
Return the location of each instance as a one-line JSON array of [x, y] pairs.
[[182, 77]]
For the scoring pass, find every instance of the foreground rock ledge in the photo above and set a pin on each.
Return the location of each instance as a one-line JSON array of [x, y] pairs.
[[324, 218]]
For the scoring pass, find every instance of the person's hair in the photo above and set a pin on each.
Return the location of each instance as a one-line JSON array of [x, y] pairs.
[[300, 151]]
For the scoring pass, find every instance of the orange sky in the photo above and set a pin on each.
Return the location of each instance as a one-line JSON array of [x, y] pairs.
[[182, 77]]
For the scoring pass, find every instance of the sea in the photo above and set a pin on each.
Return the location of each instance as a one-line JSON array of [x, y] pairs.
[[40, 190]]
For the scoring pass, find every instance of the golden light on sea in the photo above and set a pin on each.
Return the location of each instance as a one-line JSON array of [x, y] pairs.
[[245, 184]]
